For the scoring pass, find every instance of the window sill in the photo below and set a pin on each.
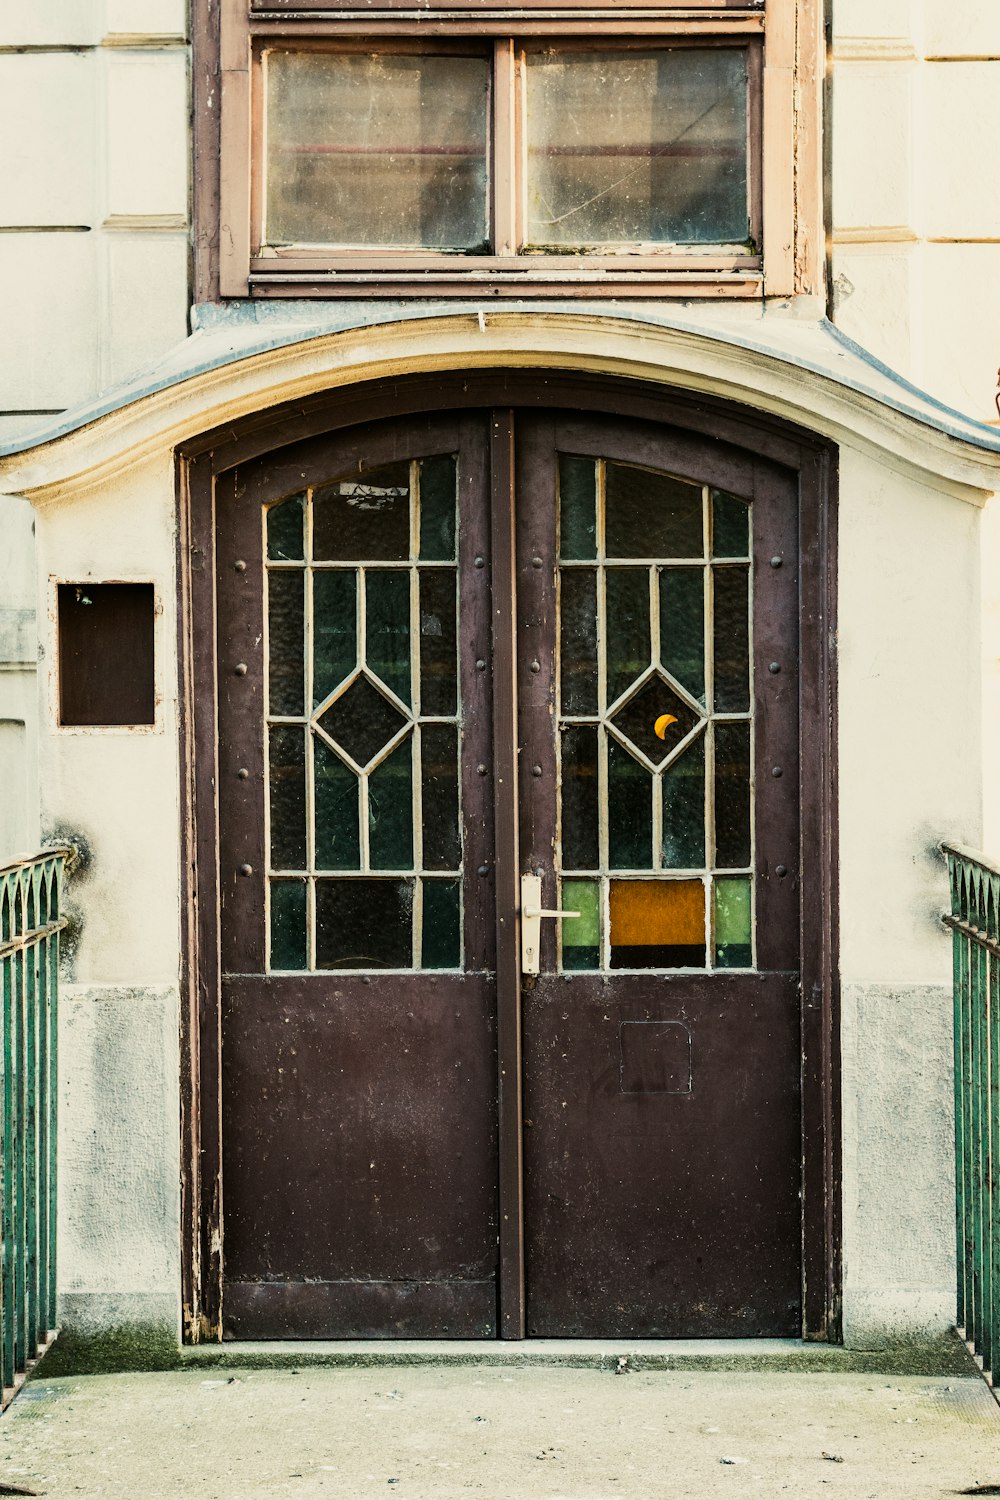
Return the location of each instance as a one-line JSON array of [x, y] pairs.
[[557, 280]]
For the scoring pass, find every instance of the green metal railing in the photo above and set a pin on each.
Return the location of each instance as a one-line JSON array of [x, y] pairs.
[[30, 922], [975, 924]]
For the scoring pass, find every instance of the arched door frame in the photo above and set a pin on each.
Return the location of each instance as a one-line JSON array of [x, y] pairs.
[[201, 461]]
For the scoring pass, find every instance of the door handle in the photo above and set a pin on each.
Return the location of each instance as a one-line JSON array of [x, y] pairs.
[[531, 924]]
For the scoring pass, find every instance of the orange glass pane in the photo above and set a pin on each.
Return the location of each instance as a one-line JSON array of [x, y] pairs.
[[657, 924]]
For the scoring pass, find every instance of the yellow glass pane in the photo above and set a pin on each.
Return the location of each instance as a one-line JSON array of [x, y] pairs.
[[657, 924]]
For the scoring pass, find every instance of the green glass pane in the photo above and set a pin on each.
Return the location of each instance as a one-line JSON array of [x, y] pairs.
[[581, 936], [630, 811], [438, 642], [578, 641], [732, 795], [578, 768], [438, 504], [286, 642], [733, 923], [732, 640], [335, 630], [577, 508], [441, 836], [287, 793], [338, 843], [387, 639], [365, 517], [364, 924], [441, 932], [284, 530], [390, 811], [730, 526], [684, 810], [651, 515], [628, 647], [682, 627], [289, 949]]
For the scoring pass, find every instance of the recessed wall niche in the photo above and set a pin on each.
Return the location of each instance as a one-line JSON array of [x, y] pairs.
[[106, 654]]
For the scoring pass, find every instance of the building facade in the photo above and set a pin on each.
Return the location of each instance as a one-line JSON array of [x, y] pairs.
[[446, 447]]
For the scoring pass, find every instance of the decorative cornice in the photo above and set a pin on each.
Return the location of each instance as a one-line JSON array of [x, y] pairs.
[[876, 234], [145, 223], [872, 49]]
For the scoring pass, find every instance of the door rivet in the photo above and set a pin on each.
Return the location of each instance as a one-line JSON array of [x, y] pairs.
[[775, 666], [480, 665], [536, 562], [775, 562], [240, 565], [479, 562], [480, 769], [240, 669], [246, 869], [536, 770], [484, 869], [535, 666], [781, 869], [243, 773], [775, 771]]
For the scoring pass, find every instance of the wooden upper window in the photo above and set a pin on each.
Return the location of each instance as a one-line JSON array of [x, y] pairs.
[[455, 149]]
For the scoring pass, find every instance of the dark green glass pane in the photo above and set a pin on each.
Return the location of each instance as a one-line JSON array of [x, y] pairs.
[[286, 642], [390, 811], [364, 924], [438, 504], [651, 515], [732, 795], [682, 627], [630, 811], [441, 933], [577, 508], [284, 530], [289, 948], [627, 605], [364, 518], [578, 750], [438, 642], [387, 642], [338, 844], [730, 526], [287, 788], [578, 641], [581, 936], [439, 756], [684, 810], [362, 721], [335, 630], [733, 923], [732, 640]]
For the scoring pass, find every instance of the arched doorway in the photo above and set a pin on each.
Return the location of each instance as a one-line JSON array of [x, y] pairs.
[[451, 650]]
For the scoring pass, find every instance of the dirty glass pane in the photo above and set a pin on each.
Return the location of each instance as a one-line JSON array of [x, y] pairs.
[[730, 526], [657, 924], [387, 640], [732, 640], [376, 149], [364, 924], [335, 630], [733, 939], [441, 932], [630, 811], [438, 503], [577, 508], [637, 147], [362, 721], [439, 755], [286, 642], [289, 949], [438, 642], [684, 810], [628, 645], [732, 795], [287, 788], [651, 515], [682, 627], [365, 518], [390, 811], [581, 936], [338, 843], [578, 641], [284, 530], [578, 765]]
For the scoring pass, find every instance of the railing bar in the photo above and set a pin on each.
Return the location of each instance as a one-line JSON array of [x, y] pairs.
[[26, 940], [42, 1134], [19, 1143], [968, 1239], [977, 934], [53, 1023], [958, 950], [995, 1161], [983, 1247]]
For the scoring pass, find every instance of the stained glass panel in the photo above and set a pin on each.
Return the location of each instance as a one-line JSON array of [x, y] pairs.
[[577, 507]]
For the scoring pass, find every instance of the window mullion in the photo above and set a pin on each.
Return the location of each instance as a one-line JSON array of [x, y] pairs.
[[504, 185]]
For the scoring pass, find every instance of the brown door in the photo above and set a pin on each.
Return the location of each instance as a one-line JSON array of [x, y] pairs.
[[440, 670]]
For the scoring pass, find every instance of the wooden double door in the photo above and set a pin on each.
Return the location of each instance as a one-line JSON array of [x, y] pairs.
[[453, 652]]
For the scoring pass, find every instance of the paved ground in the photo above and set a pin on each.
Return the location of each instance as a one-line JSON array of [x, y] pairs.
[[431, 1433]]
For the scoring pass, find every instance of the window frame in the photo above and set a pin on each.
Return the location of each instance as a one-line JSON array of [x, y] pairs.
[[784, 142]]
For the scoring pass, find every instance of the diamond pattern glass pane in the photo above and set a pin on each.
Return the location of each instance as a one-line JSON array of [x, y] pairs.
[[362, 721], [655, 719]]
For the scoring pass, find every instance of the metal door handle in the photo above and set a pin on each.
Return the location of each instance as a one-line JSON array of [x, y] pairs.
[[531, 915]]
